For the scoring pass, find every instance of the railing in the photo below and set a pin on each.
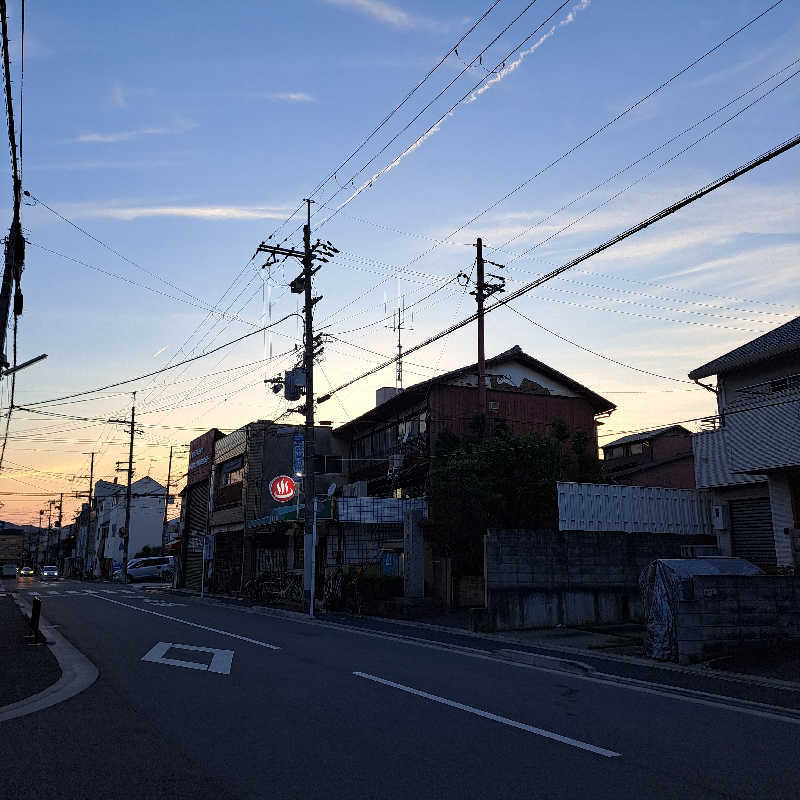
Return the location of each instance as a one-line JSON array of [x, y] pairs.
[[227, 496]]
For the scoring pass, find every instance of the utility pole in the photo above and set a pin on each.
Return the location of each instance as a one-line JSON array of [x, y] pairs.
[[89, 520], [483, 290], [311, 350], [308, 365], [479, 296], [166, 504], [125, 539], [15, 242], [60, 516]]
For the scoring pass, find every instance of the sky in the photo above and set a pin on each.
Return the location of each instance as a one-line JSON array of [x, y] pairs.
[[175, 137]]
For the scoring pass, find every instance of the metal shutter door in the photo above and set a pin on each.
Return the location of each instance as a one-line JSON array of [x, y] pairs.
[[194, 565], [751, 532]]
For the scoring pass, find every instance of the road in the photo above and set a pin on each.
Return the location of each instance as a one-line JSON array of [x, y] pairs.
[[198, 700]]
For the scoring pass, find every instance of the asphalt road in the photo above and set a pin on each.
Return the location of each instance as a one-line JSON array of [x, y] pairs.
[[283, 708]]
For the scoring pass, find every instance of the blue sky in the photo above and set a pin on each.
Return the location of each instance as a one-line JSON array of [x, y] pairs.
[[182, 134]]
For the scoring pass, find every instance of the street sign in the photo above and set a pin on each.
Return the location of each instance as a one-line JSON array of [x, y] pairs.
[[299, 453], [282, 488]]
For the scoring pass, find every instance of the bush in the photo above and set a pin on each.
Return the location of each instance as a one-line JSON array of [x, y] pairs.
[[374, 588]]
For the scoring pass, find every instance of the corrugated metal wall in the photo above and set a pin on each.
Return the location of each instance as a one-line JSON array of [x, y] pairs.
[[632, 509]]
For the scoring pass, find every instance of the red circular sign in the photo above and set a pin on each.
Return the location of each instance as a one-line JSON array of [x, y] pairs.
[[282, 488]]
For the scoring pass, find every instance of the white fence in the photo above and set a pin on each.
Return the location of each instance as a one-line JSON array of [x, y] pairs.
[[632, 509]]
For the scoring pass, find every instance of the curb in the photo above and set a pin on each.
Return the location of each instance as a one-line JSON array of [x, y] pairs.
[[698, 671], [77, 673]]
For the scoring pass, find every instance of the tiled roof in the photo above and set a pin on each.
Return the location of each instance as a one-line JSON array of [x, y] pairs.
[[773, 343]]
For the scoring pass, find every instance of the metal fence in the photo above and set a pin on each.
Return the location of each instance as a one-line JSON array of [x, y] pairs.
[[632, 509]]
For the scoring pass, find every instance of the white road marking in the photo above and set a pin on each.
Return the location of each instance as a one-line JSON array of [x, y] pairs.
[[190, 624], [601, 751], [220, 661], [163, 603]]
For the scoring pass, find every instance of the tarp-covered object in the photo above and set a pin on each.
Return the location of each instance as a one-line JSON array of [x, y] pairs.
[[660, 585]]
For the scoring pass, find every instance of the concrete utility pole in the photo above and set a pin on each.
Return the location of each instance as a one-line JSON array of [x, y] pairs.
[[125, 538], [323, 251], [479, 296], [15, 242], [166, 504], [89, 520], [308, 364], [60, 516], [483, 290]]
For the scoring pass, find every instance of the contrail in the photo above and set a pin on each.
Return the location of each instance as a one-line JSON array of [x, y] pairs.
[[569, 19], [580, 6], [159, 352]]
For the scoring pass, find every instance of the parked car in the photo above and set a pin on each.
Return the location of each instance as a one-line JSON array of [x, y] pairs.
[[49, 573], [153, 568]]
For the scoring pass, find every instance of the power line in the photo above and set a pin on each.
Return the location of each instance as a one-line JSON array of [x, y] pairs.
[[444, 116], [665, 212], [589, 137], [647, 155], [163, 369], [595, 353]]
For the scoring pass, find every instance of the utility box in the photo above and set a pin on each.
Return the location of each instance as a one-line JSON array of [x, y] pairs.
[[294, 383]]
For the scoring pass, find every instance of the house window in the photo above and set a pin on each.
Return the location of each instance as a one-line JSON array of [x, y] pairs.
[[115, 500], [637, 449], [333, 464], [100, 505], [232, 472], [617, 452], [787, 384]]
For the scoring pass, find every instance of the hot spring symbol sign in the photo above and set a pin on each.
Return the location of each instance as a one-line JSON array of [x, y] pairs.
[[282, 488]]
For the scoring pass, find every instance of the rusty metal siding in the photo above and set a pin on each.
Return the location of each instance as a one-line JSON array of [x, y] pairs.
[[632, 509], [453, 407]]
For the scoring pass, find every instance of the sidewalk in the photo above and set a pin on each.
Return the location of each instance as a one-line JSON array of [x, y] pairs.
[[27, 668]]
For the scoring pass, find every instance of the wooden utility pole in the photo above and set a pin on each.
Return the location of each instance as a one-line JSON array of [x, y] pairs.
[[166, 504], [125, 538], [479, 296]]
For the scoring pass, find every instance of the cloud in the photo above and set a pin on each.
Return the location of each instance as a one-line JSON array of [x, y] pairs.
[[118, 97], [377, 9], [191, 212], [179, 125], [291, 97]]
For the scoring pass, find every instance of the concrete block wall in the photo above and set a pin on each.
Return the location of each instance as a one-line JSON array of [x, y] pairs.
[[716, 614], [543, 578]]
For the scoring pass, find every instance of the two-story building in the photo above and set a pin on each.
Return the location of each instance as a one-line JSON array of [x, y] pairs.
[[661, 457], [146, 521], [228, 507], [390, 446], [751, 462]]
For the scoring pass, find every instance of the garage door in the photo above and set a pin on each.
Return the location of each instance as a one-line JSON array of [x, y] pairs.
[[751, 532]]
